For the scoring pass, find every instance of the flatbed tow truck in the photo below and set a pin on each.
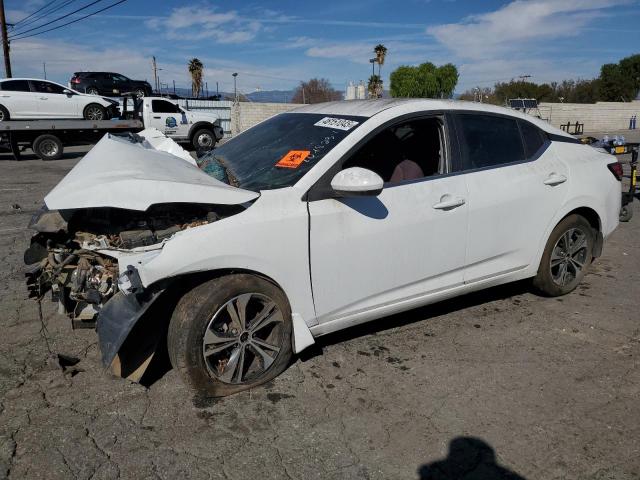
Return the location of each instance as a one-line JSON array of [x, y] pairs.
[[47, 138]]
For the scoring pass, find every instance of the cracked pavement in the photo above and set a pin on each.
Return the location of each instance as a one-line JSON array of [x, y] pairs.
[[548, 387]]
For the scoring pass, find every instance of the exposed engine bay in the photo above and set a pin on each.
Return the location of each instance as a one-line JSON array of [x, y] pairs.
[[74, 254]]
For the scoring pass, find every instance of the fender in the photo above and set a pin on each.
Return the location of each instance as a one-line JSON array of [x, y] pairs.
[[576, 203], [202, 124], [129, 331]]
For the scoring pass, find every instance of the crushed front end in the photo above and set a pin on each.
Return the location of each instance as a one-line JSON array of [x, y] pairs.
[[86, 260]]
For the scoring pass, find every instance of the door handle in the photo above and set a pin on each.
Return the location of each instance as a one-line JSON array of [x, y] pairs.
[[156, 117], [44, 98], [555, 179], [449, 203]]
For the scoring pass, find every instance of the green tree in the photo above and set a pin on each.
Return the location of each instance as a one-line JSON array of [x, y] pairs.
[[621, 81], [196, 69], [424, 81]]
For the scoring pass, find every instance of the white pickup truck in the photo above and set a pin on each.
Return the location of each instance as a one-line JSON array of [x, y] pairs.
[[47, 138], [200, 129]]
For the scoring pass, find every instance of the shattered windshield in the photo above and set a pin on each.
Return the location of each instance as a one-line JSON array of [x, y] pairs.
[[279, 151]]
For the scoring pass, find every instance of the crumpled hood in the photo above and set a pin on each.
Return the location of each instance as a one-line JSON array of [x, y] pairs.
[[119, 173]]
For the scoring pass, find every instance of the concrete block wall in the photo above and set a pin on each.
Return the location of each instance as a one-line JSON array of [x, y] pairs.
[[245, 115], [597, 117]]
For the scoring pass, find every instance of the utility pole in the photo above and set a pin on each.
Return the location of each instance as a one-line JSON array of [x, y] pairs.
[[235, 87], [5, 41], [174, 87], [44, 69], [155, 70], [217, 91]]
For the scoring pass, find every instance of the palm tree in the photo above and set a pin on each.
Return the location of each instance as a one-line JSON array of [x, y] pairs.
[[381, 52], [375, 86], [196, 69]]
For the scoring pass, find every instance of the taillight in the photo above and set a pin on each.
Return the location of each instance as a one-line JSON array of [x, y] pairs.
[[75, 80], [616, 169]]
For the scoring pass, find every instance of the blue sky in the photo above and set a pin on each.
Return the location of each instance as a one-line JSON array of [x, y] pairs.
[[276, 44]]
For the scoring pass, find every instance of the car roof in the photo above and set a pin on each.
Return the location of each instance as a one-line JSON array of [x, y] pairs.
[[369, 108], [32, 79]]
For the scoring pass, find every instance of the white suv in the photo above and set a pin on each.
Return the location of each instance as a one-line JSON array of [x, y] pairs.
[[32, 99]]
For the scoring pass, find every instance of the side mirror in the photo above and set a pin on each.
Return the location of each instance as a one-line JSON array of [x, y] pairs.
[[66, 91], [357, 181]]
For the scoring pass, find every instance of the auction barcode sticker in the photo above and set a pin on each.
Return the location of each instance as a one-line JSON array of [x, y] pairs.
[[339, 123]]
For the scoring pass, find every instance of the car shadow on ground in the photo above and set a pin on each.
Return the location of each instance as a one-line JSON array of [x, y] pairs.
[[418, 314], [468, 457]]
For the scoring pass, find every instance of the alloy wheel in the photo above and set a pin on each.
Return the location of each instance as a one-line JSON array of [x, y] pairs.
[[569, 256], [94, 113], [243, 338]]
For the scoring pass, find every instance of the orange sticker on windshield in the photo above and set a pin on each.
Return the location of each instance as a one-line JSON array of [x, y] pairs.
[[293, 159]]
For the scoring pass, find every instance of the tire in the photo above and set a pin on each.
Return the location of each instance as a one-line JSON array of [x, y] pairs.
[[204, 338], [4, 114], [203, 140], [47, 147], [94, 111], [140, 92], [626, 212], [92, 91], [566, 273]]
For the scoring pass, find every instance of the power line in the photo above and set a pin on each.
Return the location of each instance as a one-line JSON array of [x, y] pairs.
[[39, 17], [33, 13], [73, 21], [54, 21]]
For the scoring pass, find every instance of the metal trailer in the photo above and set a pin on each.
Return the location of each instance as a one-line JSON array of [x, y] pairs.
[[47, 138]]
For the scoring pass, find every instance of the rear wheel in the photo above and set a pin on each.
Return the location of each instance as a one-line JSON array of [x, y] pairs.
[[93, 111], [47, 147], [230, 334], [204, 139], [4, 114], [92, 91], [566, 257], [139, 92]]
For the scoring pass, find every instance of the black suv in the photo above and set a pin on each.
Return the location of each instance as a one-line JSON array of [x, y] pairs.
[[108, 83]]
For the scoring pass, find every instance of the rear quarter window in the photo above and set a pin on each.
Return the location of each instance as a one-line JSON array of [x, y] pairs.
[[533, 139], [15, 86]]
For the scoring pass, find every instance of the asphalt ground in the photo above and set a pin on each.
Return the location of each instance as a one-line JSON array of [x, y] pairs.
[[497, 384]]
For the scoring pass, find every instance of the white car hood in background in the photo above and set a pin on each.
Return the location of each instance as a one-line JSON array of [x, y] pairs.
[[121, 174]]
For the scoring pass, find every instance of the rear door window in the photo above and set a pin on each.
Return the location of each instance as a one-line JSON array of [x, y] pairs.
[[15, 86], [46, 87], [488, 140]]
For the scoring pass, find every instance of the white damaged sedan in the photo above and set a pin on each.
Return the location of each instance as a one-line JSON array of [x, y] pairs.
[[310, 222]]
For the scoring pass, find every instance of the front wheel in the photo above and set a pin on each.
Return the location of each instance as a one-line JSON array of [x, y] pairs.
[[230, 334], [92, 91], [94, 111], [566, 257], [139, 92]]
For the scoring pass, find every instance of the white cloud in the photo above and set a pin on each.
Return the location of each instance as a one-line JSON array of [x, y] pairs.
[[198, 23], [518, 24]]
